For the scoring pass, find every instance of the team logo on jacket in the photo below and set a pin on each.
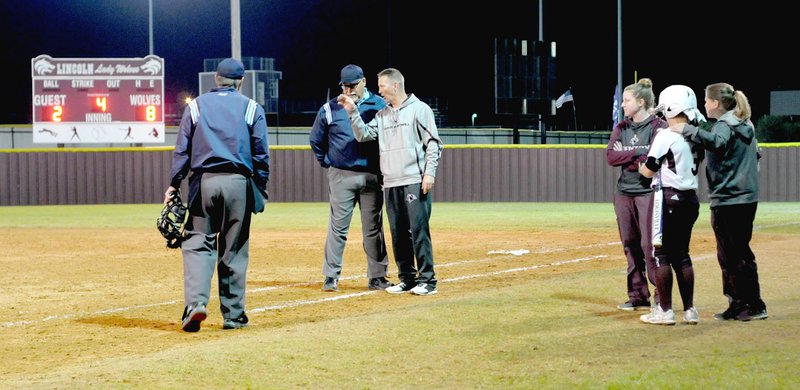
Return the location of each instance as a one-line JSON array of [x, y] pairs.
[[635, 139]]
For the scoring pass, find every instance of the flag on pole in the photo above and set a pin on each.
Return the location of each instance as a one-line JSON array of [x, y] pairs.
[[565, 97], [615, 108]]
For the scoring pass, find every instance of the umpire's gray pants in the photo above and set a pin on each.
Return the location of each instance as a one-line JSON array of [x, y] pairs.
[[345, 189], [409, 212], [219, 237]]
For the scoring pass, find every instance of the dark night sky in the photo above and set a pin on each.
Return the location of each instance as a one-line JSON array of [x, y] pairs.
[[675, 42]]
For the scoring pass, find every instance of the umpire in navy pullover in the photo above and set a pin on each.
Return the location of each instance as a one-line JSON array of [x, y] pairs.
[[231, 137], [353, 171], [223, 141], [332, 125]]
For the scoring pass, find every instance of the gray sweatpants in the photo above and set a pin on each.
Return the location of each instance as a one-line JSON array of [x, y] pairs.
[[218, 237], [345, 190]]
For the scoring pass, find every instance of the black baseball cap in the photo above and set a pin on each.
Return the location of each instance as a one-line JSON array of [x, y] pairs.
[[231, 68], [350, 74]]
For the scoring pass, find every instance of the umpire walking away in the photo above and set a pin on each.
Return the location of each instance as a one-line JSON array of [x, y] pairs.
[[353, 177], [223, 141]]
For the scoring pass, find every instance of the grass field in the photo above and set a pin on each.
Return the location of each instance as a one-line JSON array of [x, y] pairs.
[[94, 299]]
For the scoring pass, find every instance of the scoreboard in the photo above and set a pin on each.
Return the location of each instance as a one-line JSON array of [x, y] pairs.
[[98, 100]]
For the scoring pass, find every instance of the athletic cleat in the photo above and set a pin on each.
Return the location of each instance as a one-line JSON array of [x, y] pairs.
[[379, 283], [193, 315], [690, 316], [733, 313], [658, 316], [398, 288], [330, 284], [424, 289], [634, 306], [235, 323], [758, 314]]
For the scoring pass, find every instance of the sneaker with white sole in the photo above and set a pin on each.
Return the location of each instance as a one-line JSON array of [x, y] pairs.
[[330, 284], [399, 288], [658, 316], [758, 314], [424, 289], [193, 315], [634, 306], [690, 316], [235, 323]]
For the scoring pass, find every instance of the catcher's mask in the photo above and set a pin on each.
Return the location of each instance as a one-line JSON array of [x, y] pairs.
[[170, 222]]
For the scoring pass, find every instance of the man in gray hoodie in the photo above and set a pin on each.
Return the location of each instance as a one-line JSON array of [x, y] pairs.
[[410, 149]]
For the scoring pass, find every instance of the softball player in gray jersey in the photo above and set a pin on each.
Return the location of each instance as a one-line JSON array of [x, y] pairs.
[[627, 148]]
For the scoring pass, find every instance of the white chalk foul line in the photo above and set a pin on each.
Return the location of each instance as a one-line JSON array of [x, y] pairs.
[[303, 302], [309, 302], [522, 269], [456, 279], [92, 314], [504, 255]]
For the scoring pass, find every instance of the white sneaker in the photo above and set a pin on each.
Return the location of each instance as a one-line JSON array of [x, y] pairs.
[[690, 316], [658, 316], [398, 288], [424, 289]]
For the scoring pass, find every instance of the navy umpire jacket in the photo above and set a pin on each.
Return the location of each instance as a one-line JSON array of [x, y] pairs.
[[332, 140]]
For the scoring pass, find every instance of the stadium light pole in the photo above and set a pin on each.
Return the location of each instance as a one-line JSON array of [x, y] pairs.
[[150, 23], [542, 130], [236, 31], [619, 61], [541, 22]]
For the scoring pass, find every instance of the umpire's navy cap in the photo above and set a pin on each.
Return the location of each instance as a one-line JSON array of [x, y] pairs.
[[231, 68], [350, 74]]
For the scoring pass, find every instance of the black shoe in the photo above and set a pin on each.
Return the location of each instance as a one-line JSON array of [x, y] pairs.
[[330, 284], [634, 306], [193, 315], [760, 314], [737, 313], [235, 323], [379, 283]]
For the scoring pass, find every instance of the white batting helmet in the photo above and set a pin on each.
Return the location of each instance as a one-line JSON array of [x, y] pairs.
[[677, 99]]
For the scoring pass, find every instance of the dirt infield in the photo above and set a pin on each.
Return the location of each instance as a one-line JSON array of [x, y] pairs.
[[81, 297]]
